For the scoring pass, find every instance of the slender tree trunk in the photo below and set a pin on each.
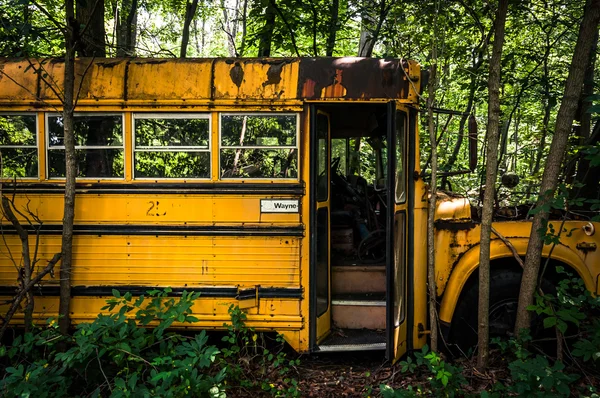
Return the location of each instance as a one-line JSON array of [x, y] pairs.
[[127, 29], [564, 121], [333, 27], [230, 27], [26, 268], [369, 37], [587, 175], [493, 137], [548, 105], [190, 12], [367, 21], [238, 152], [244, 28], [315, 21], [431, 280], [266, 35], [69, 202], [90, 28]]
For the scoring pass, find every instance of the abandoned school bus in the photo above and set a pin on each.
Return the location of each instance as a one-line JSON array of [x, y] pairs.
[[289, 187]]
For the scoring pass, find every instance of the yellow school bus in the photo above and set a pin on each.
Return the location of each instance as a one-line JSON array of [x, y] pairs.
[[289, 187]]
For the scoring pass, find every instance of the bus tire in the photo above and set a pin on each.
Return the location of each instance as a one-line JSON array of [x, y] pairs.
[[504, 296]]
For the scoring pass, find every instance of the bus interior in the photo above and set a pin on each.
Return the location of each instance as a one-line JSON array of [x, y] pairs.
[[358, 210]]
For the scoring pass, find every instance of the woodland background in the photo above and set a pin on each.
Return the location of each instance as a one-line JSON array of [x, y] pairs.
[[539, 42]]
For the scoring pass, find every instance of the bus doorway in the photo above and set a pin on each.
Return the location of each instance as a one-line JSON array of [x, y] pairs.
[[361, 271]]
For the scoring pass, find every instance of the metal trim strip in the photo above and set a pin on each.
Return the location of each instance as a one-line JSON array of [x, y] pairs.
[[164, 230], [210, 292], [162, 188]]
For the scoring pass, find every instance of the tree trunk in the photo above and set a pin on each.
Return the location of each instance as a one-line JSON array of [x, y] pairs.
[[366, 38], [431, 279], [333, 27], [493, 137], [70, 160], [266, 34], [127, 29], [190, 12], [564, 121], [26, 268], [586, 175], [548, 105], [369, 37], [90, 28], [244, 29]]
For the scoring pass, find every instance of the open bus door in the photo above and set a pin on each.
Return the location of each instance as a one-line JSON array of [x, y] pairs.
[[397, 216], [320, 165]]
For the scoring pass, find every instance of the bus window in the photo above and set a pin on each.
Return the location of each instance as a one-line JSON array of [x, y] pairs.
[[259, 146], [18, 146], [171, 146], [400, 175], [339, 150], [98, 146]]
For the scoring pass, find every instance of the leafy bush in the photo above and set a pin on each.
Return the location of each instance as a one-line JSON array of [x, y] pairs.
[[131, 352], [252, 365], [445, 379]]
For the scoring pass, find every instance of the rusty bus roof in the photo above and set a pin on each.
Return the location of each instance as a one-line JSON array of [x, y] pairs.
[[180, 82]]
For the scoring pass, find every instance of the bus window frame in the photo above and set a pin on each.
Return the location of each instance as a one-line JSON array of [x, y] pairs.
[[47, 115], [266, 179], [36, 147], [172, 115]]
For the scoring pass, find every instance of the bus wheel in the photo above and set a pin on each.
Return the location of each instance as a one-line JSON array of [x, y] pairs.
[[504, 297]]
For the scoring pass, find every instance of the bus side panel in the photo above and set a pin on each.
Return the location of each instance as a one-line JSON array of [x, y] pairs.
[[216, 245]]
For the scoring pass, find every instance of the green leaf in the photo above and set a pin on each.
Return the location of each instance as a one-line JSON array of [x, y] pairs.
[[550, 322]]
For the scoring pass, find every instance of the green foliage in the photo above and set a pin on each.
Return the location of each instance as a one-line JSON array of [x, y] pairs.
[[132, 352], [169, 147], [251, 365], [18, 132], [535, 377], [116, 357], [268, 136], [445, 379]]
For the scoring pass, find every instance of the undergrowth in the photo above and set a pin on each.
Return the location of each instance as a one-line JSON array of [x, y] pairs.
[[528, 371], [132, 352]]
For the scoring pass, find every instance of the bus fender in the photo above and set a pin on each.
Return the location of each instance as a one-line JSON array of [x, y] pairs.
[[469, 262]]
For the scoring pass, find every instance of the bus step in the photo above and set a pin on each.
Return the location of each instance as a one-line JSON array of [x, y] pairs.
[[353, 340], [365, 311], [357, 279]]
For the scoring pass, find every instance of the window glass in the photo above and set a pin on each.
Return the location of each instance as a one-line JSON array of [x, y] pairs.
[[18, 146], [259, 146], [98, 146], [400, 174], [322, 271], [399, 267], [323, 153], [339, 151], [172, 146]]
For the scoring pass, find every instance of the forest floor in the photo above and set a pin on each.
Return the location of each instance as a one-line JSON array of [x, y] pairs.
[[361, 374]]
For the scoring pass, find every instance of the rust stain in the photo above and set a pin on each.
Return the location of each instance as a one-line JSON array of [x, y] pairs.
[[455, 225], [274, 74], [362, 78], [586, 247], [237, 74]]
